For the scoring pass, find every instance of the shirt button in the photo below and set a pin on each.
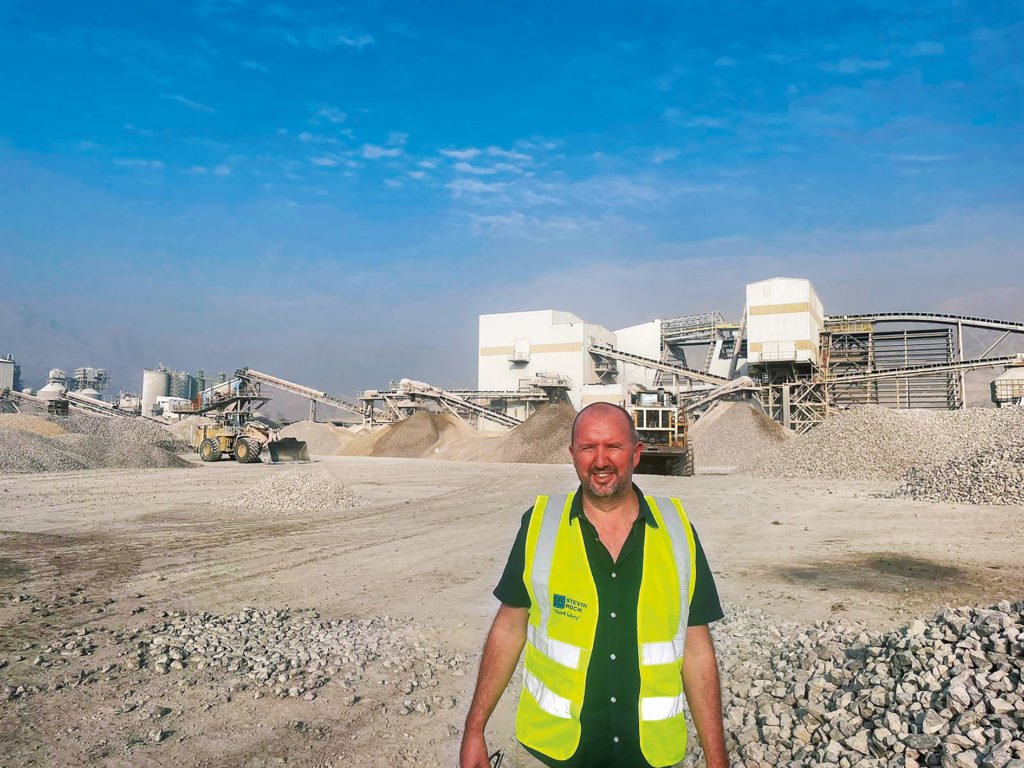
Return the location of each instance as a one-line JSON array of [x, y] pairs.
[[613, 574], [613, 657], [613, 699], [615, 739], [613, 614]]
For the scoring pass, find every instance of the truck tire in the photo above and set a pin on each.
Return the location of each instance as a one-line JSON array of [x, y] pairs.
[[209, 450], [247, 451]]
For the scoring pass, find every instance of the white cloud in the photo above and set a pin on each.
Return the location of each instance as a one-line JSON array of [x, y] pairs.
[[664, 155], [397, 138], [141, 164], [927, 48], [325, 161], [418, 174], [222, 170], [144, 132], [255, 66], [921, 158], [314, 138], [509, 154], [195, 170], [535, 198], [725, 61], [330, 114], [392, 183], [427, 164], [519, 225], [704, 122], [195, 106], [328, 38], [374, 152], [461, 187], [461, 154], [467, 168], [854, 66]]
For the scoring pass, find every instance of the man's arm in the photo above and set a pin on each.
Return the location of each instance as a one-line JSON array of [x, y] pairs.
[[501, 654], [704, 694]]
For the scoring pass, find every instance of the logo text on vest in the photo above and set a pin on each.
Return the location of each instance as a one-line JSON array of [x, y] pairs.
[[567, 606]]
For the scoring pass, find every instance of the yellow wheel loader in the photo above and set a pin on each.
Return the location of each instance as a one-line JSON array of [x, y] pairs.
[[247, 439]]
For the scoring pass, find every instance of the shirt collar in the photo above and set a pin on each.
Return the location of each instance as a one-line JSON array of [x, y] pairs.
[[645, 509]]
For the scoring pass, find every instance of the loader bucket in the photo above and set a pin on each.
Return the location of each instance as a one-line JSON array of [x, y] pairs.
[[286, 449]]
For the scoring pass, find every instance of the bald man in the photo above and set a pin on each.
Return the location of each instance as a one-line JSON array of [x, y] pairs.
[[611, 595]]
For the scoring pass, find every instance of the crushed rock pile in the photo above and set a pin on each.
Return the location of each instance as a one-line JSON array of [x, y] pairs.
[[85, 442], [947, 691], [297, 490], [124, 429], [734, 434], [542, 439], [321, 438], [182, 429], [415, 437], [874, 443], [991, 476], [37, 425]]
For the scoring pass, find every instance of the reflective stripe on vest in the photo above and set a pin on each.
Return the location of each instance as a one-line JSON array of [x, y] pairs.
[[548, 715]]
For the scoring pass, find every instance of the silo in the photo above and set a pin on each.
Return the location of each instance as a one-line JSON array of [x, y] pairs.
[[56, 385], [155, 383]]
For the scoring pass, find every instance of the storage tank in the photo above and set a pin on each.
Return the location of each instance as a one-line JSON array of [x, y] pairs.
[[56, 385], [90, 392], [156, 383]]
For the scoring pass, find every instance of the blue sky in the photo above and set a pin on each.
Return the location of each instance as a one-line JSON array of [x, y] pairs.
[[333, 193]]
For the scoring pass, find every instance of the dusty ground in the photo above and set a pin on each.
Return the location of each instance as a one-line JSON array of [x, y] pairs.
[[110, 550]]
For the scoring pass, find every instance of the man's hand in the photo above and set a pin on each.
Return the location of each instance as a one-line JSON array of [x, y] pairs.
[[505, 642], [704, 694], [474, 751]]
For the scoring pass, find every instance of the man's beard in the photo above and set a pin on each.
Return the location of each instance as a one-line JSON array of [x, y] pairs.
[[609, 491]]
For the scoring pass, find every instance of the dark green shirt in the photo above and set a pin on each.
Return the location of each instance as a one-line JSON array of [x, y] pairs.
[[611, 701]]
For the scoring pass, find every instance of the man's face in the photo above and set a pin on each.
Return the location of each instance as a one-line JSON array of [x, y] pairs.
[[603, 452]]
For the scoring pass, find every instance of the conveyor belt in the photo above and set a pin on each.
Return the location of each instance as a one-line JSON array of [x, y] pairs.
[[312, 394], [927, 317], [922, 370], [601, 350]]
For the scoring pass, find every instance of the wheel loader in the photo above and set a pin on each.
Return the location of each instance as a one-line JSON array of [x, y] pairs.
[[247, 439]]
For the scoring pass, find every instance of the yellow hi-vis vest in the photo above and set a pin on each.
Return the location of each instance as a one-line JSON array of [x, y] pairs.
[[563, 622]]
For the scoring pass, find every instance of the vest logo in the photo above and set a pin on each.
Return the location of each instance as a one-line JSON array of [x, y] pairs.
[[567, 606]]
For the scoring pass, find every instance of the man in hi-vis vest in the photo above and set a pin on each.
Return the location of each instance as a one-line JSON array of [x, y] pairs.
[[611, 595]]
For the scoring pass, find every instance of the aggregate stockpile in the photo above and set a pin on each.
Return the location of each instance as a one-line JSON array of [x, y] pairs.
[[297, 491], [36, 444], [734, 435], [541, 439], [947, 691], [967, 456]]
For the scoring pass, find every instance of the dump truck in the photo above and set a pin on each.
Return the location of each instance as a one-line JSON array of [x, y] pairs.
[[662, 426], [246, 438]]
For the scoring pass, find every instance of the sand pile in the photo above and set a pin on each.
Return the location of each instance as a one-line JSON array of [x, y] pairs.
[[37, 425], [323, 439], [182, 429], [541, 439], [415, 437], [734, 435], [294, 491]]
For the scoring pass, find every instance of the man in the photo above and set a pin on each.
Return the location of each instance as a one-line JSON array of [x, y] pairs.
[[614, 595]]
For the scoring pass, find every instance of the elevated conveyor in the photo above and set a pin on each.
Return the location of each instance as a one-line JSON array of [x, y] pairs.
[[314, 395], [923, 370], [600, 350], [928, 317], [455, 403]]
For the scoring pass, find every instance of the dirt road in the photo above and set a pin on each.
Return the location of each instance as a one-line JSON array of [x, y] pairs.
[[109, 552]]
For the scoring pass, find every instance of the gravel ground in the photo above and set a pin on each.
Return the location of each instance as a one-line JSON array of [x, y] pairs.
[[297, 491], [874, 443]]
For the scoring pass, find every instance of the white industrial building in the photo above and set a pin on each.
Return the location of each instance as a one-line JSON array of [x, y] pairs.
[[785, 320], [7, 366]]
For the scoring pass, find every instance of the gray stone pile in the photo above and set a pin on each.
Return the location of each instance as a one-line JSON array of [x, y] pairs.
[[992, 476], [296, 653], [944, 692], [297, 490], [870, 442], [735, 434], [90, 442]]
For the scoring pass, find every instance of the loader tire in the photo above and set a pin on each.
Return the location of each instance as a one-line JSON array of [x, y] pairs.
[[209, 450], [247, 452]]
